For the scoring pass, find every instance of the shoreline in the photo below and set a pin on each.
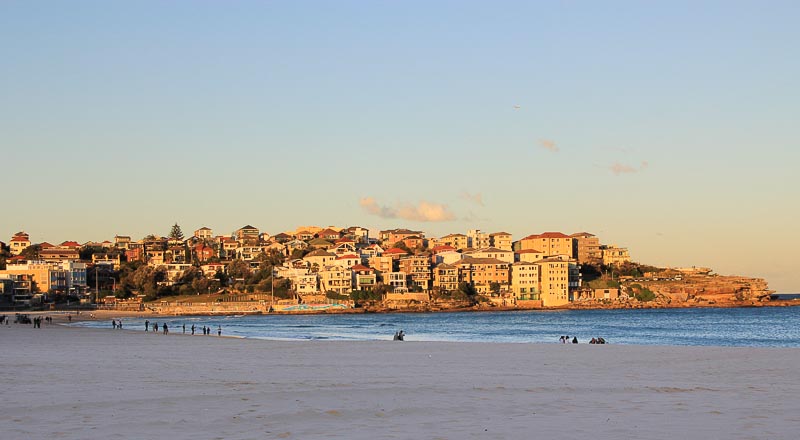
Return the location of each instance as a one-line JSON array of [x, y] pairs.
[[102, 314]]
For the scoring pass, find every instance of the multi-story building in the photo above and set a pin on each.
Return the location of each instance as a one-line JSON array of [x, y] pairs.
[[348, 260], [329, 234], [458, 241], [525, 281], [477, 239], [336, 279], [59, 254], [395, 253], [615, 256], [357, 234], [551, 243], [319, 258], [19, 242], [481, 273], [204, 233], [418, 269], [414, 242], [393, 236], [364, 278], [445, 277], [396, 280], [247, 235], [501, 240], [111, 261], [500, 254], [553, 282], [50, 277], [382, 264], [17, 288], [122, 241], [586, 248], [529, 256]]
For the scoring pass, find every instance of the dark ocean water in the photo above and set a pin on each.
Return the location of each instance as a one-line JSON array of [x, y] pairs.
[[762, 327]]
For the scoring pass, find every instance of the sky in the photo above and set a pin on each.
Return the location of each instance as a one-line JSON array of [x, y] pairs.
[[669, 128]]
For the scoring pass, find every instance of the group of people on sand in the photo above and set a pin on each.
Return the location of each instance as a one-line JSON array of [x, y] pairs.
[[566, 340], [116, 324], [193, 328], [399, 336]]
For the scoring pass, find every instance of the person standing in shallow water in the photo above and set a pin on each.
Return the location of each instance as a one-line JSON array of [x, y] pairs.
[[184, 328], [219, 330], [192, 329], [146, 325]]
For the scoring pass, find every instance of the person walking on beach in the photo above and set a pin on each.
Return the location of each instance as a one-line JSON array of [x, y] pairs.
[[192, 329], [146, 324], [119, 324], [155, 327], [219, 330], [113, 323], [166, 329], [184, 328]]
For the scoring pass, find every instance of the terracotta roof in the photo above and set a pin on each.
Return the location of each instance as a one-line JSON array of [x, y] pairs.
[[320, 253], [348, 256], [19, 238], [358, 267], [45, 245], [395, 250], [530, 251], [547, 235], [70, 244], [454, 235]]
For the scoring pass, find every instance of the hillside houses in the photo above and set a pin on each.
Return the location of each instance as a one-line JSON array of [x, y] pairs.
[[318, 260]]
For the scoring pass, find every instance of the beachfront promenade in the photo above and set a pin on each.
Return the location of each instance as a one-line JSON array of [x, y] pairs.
[[77, 383]]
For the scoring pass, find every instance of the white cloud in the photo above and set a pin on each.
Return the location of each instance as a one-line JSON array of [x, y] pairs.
[[422, 212]]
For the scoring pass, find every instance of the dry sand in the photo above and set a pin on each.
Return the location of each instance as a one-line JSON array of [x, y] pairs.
[[76, 383]]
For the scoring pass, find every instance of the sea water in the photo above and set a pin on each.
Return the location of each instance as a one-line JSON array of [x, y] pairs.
[[762, 326]]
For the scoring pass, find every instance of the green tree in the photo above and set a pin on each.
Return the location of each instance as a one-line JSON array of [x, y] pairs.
[[176, 233], [494, 287], [31, 252], [467, 289], [238, 270]]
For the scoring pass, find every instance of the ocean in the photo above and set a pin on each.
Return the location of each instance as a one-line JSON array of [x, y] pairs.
[[747, 327]]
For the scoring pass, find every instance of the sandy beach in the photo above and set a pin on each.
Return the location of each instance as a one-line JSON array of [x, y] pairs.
[[74, 383]]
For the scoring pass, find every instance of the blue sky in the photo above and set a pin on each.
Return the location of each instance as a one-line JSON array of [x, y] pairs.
[[667, 128]]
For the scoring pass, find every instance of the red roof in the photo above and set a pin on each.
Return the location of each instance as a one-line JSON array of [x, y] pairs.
[[70, 244], [45, 245], [344, 257], [327, 232], [395, 250], [360, 267], [547, 235], [530, 251], [20, 238]]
